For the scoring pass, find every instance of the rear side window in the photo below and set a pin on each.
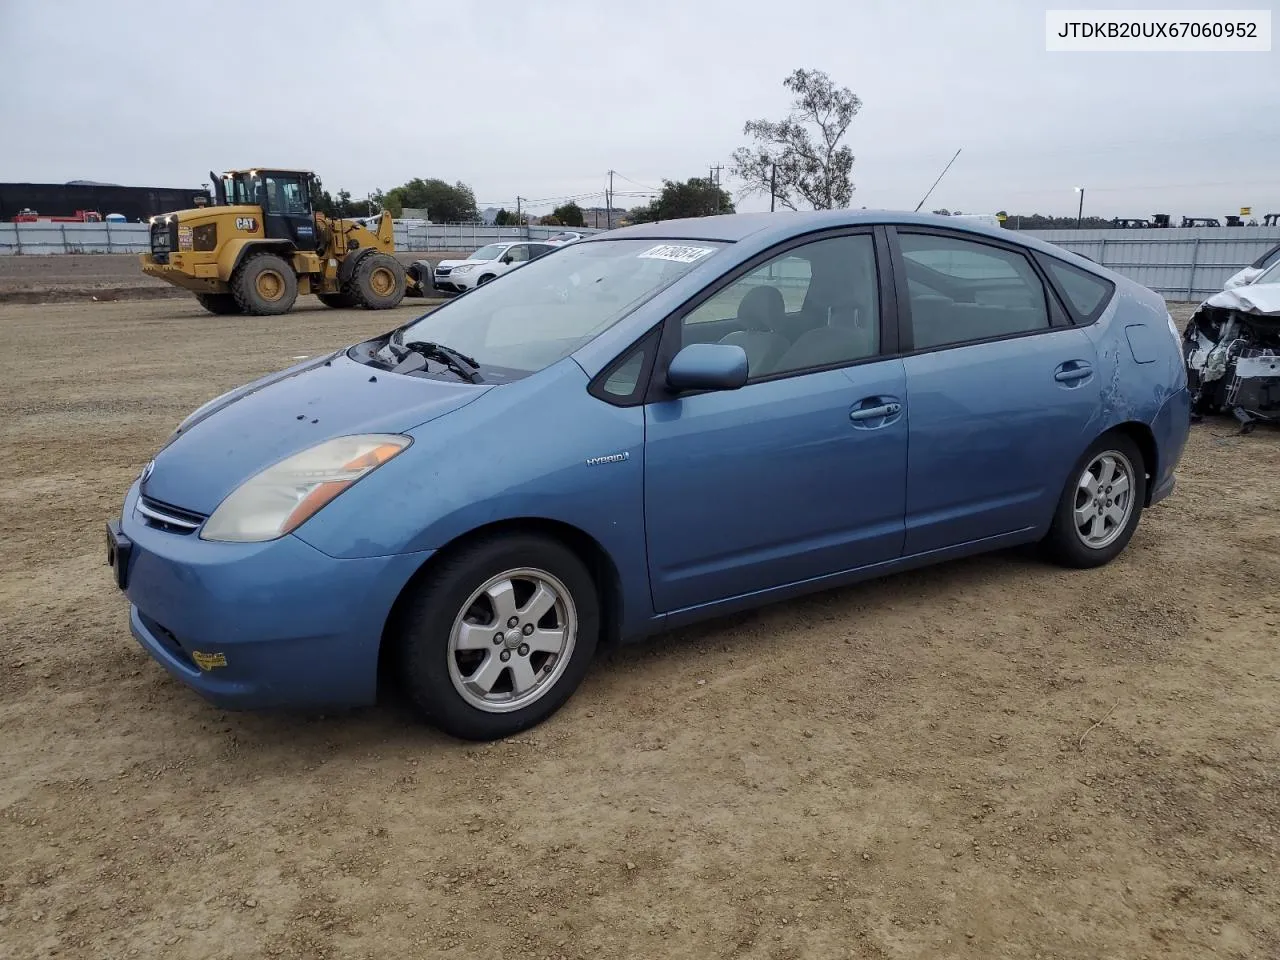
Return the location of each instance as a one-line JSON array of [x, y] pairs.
[[962, 291], [1086, 292]]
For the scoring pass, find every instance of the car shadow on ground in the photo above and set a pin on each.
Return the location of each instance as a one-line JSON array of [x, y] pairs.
[[394, 725]]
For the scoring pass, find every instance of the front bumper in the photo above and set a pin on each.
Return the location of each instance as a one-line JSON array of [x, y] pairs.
[[261, 625], [172, 273]]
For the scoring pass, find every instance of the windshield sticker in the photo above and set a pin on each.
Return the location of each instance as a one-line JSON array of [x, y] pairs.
[[676, 253]]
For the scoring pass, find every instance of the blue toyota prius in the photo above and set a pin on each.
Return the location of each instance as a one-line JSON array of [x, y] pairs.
[[663, 423]]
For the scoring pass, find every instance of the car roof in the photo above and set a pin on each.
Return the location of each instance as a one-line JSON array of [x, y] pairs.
[[767, 228]]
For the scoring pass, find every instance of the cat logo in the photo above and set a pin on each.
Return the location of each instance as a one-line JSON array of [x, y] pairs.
[[246, 223]]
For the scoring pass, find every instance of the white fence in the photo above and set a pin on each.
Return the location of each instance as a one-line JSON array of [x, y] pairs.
[[48, 238]]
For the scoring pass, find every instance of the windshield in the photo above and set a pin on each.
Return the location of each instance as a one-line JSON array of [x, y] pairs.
[[1270, 275], [532, 317], [241, 188], [491, 252]]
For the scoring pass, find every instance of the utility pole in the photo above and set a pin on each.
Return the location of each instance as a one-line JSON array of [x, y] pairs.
[[1080, 209], [713, 180], [518, 220], [608, 203], [773, 185]]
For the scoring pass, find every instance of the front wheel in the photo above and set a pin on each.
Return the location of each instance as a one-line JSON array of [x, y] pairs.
[[1099, 509], [378, 282], [497, 636]]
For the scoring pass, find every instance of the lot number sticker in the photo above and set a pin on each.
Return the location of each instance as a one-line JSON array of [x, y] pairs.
[[676, 253]]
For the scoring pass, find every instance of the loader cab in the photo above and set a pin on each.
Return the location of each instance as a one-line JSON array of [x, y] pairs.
[[284, 197]]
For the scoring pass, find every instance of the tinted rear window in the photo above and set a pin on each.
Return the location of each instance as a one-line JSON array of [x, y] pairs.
[[1086, 292]]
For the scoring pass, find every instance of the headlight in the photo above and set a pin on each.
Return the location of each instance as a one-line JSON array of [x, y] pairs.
[[465, 268], [283, 496]]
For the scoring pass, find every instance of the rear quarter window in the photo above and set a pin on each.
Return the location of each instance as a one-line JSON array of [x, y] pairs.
[[1087, 293]]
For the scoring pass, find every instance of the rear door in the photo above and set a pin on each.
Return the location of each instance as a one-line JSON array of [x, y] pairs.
[[1001, 389]]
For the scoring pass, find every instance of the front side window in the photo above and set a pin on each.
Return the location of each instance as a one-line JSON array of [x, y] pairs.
[[961, 291], [286, 194], [518, 254], [813, 306], [549, 308]]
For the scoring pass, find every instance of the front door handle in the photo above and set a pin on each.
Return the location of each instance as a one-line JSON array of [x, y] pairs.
[[875, 413], [1072, 370]]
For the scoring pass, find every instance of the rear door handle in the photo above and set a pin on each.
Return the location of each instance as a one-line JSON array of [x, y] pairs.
[[875, 413], [1072, 370]]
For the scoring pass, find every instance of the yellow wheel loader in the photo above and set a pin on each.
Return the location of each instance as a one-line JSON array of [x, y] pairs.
[[261, 245]]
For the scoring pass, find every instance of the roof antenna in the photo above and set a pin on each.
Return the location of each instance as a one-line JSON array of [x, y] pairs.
[[936, 182]]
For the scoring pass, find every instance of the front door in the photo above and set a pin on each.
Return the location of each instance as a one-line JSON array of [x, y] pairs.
[[1002, 391], [800, 473]]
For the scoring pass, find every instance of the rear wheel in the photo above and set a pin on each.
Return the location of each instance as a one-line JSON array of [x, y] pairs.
[[222, 304], [338, 301], [498, 636], [378, 282], [265, 285], [1099, 509]]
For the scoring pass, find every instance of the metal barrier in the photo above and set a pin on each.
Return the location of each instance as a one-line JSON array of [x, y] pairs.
[[50, 238], [1178, 263]]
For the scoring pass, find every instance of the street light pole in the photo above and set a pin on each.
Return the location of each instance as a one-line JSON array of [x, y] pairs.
[[1080, 208]]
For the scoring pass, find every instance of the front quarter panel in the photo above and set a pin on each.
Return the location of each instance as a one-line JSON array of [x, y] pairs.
[[520, 451]]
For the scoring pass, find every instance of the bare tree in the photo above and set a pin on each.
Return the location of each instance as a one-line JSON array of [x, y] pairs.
[[800, 159]]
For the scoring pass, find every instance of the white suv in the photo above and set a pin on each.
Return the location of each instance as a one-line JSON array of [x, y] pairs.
[[486, 264]]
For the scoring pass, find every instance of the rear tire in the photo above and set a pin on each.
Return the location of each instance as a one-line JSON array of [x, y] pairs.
[[339, 301], [1100, 505], [378, 282], [452, 670], [222, 304], [265, 285]]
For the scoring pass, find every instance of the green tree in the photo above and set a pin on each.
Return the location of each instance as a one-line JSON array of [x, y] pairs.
[[800, 160], [443, 203], [695, 197], [550, 220], [569, 215], [321, 201]]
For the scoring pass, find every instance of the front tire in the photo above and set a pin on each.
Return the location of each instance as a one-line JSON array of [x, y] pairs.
[[378, 282], [1100, 505], [485, 279], [220, 304], [265, 285], [498, 635]]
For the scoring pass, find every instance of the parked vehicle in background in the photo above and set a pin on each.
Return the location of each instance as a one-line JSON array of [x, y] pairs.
[[1254, 270], [1232, 349], [563, 237], [487, 263], [653, 426]]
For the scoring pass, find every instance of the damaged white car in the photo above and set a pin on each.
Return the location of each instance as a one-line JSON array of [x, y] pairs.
[[1232, 347]]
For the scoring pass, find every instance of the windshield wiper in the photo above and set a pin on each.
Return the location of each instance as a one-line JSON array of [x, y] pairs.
[[418, 352]]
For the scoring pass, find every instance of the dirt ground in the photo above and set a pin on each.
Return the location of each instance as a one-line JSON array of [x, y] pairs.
[[87, 278], [995, 758]]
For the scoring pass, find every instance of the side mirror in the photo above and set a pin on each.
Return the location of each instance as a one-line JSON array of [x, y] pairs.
[[505, 259], [708, 366]]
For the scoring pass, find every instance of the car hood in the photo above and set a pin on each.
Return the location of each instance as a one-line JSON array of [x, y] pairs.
[[1257, 298], [243, 432], [449, 263]]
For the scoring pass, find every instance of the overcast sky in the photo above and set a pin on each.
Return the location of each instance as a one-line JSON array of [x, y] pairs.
[[540, 98]]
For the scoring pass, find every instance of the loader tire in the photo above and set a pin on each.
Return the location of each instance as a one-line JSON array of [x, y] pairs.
[[339, 301], [378, 282], [222, 304], [265, 285]]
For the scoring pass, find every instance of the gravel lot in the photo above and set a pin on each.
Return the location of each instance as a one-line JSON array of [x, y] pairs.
[[995, 758]]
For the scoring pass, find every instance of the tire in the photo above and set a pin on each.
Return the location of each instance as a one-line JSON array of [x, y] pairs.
[[446, 679], [222, 304], [378, 282], [485, 279], [265, 285], [339, 301], [1073, 544]]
